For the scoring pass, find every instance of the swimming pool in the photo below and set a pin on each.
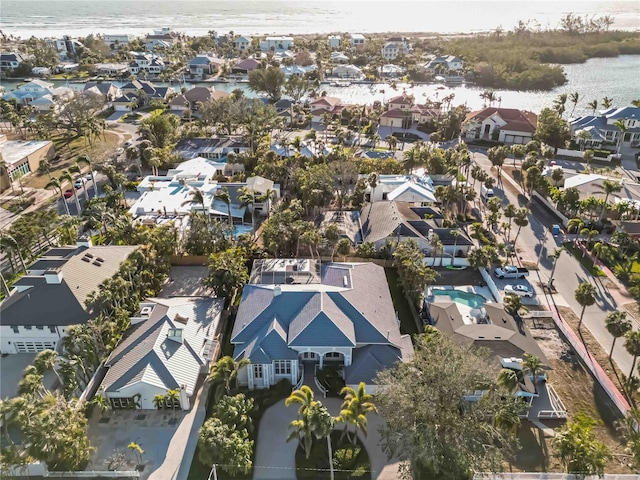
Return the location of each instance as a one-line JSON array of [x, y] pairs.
[[472, 300], [240, 229]]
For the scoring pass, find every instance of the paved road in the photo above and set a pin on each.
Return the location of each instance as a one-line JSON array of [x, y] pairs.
[[536, 241]]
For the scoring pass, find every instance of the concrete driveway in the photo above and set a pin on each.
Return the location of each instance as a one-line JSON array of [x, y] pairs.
[[276, 458], [117, 115], [528, 282]]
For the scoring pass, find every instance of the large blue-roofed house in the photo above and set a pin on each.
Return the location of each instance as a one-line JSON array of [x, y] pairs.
[[297, 315], [600, 130]]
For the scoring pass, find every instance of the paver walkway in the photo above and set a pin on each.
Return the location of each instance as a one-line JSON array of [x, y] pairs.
[[276, 458]]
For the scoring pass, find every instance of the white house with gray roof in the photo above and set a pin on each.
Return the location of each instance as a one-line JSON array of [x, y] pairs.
[[605, 128], [51, 297], [169, 346], [298, 315]]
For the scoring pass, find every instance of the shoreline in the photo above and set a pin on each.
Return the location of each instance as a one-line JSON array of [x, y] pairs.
[[419, 35]]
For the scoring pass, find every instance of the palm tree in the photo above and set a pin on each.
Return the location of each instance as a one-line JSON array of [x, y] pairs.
[[197, 196], [575, 224], [82, 160], [47, 360], [521, 219], [534, 366], [617, 325], [247, 199], [10, 245], [559, 104], [373, 180], [225, 371], [301, 428], [585, 295], [137, 449], [159, 401], [313, 421], [574, 98], [223, 195], [4, 167], [455, 233], [608, 187], [513, 305], [67, 176], [507, 380], [607, 102], [354, 410], [77, 170], [173, 396], [632, 344], [622, 126], [587, 156], [510, 211], [556, 255], [55, 184], [436, 247], [102, 403], [593, 106]]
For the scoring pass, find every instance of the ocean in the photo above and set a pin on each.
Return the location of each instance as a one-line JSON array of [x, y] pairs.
[[44, 18]]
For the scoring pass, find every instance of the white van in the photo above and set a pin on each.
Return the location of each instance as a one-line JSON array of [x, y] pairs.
[[486, 193]]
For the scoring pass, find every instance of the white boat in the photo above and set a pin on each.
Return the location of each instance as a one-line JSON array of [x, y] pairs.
[[340, 84]]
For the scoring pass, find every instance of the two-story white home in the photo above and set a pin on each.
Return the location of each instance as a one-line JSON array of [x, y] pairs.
[[395, 47], [357, 40], [297, 316], [275, 44], [170, 345], [445, 63], [51, 297], [334, 42], [507, 125], [146, 62], [242, 43]]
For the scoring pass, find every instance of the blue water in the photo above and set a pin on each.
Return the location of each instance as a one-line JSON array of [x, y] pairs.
[[472, 300], [240, 229]]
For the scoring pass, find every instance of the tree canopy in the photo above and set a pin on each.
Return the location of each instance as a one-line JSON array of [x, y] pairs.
[[429, 424]]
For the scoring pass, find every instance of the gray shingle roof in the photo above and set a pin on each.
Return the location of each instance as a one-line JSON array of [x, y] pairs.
[[502, 336], [319, 314], [148, 355], [63, 304], [368, 361]]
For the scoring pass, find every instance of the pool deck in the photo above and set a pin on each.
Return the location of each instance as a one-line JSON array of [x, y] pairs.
[[482, 291]]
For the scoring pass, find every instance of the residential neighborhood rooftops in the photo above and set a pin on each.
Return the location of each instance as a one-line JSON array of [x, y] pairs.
[[57, 296]]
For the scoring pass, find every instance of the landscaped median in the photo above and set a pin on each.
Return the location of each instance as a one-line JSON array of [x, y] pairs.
[[585, 259]]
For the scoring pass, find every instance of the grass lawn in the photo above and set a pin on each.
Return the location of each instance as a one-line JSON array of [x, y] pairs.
[[350, 461], [579, 393], [584, 260], [69, 151], [400, 303]]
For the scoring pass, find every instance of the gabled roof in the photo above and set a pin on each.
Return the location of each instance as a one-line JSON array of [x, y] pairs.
[[402, 100], [516, 120], [259, 184], [502, 335], [367, 361], [42, 303], [148, 355], [412, 192], [350, 306], [247, 64]]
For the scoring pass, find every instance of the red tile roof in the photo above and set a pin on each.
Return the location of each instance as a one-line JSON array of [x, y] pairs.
[[402, 99], [516, 120]]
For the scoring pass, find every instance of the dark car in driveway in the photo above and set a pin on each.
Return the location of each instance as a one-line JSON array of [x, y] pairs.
[[406, 136]]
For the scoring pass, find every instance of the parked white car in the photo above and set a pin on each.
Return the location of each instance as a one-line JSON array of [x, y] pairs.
[[520, 290]]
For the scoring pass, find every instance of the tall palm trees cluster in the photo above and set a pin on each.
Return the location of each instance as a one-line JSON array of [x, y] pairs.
[[314, 422]]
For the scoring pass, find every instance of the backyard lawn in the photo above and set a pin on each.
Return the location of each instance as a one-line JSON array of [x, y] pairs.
[[408, 323], [68, 151]]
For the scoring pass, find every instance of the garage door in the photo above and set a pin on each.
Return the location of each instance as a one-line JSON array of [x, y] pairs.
[[33, 347]]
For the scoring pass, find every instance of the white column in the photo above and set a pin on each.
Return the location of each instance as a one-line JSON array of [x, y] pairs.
[[321, 359], [184, 398]]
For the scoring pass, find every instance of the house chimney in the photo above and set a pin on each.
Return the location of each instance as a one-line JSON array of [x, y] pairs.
[[84, 241], [53, 276], [277, 291], [430, 234]]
